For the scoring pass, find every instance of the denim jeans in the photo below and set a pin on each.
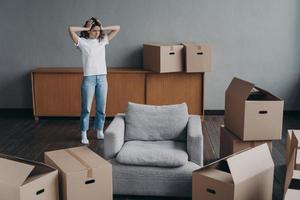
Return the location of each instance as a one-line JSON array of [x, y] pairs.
[[96, 84]]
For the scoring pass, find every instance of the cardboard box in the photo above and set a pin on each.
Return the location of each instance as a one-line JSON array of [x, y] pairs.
[[163, 58], [197, 57], [288, 146], [292, 178], [22, 179], [251, 112], [242, 176], [83, 174], [230, 143]]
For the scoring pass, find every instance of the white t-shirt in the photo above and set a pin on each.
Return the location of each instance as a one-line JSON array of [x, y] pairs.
[[93, 55]]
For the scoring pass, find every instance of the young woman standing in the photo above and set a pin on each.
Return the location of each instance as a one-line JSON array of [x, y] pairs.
[[91, 43]]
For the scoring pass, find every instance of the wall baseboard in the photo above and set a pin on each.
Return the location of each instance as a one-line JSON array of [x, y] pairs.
[[292, 112], [28, 113], [16, 112]]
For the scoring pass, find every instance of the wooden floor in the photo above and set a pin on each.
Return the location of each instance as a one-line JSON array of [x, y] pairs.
[[24, 137]]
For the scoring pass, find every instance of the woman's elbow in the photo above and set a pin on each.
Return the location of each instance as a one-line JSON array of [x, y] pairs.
[[70, 29], [118, 29]]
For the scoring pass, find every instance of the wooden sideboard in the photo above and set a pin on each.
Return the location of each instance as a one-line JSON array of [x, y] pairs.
[[56, 90]]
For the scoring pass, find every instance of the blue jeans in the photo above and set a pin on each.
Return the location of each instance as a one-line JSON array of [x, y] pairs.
[[96, 84]]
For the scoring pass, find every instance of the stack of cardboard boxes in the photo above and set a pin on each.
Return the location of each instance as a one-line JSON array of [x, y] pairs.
[[167, 58], [292, 180], [253, 116]]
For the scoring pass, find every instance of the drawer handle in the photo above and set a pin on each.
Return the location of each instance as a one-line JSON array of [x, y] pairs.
[[199, 53], [211, 191], [172, 53], [40, 191], [90, 181], [263, 112]]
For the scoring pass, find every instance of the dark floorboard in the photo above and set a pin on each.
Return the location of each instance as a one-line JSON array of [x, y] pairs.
[[24, 137]]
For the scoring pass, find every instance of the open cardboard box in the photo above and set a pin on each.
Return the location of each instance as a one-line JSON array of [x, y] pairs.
[[21, 179], [242, 176], [292, 178], [288, 146], [83, 174], [252, 113], [230, 143], [163, 57], [197, 57]]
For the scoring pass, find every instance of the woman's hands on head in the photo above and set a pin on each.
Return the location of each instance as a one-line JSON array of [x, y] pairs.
[[89, 23], [100, 23]]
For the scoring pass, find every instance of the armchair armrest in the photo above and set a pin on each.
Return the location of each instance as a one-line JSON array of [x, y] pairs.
[[195, 139], [114, 136]]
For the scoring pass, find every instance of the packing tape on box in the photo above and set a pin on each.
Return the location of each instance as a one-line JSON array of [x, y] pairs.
[[88, 167]]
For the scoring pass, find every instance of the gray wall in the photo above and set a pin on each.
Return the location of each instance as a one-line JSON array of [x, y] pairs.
[[258, 40]]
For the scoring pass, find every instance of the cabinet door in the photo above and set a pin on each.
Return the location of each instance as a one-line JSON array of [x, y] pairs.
[[174, 88], [57, 94], [124, 87]]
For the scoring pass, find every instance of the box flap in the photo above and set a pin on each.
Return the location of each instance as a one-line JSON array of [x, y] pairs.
[[239, 88], [288, 143], [297, 135], [250, 163], [217, 175], [13, 172], [214, 163], [293, 147], [290, 161], [267, 95]]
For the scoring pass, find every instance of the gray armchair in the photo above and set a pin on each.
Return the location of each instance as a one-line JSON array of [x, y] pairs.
[[154, 177]]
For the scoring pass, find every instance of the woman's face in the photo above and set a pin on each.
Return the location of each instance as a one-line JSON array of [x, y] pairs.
[[94, 33]]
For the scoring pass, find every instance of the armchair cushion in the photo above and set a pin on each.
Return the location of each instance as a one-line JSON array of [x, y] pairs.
[[148, 122], [153, 153]]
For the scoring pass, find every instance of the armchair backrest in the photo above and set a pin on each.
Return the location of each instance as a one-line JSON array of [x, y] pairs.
[[154, 123]]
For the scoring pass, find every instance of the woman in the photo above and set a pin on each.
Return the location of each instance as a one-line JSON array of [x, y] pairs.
[[92, 43]]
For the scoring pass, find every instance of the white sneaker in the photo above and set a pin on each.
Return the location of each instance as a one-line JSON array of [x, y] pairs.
[[100, 135], [84, 139]]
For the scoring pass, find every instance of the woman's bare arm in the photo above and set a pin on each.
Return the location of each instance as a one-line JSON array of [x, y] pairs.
[[74, 29], [113, 31]]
